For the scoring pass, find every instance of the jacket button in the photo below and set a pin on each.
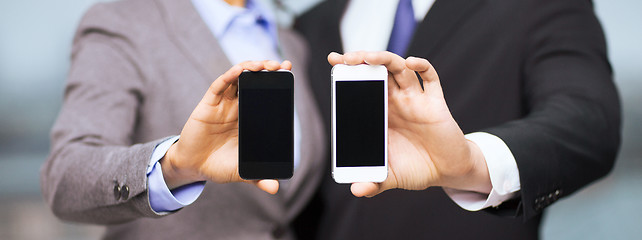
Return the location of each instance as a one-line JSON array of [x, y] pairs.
[[124, 192], [537, 207], [117, 192]]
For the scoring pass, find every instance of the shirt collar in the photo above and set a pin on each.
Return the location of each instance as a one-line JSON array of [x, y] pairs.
[[222, 15]]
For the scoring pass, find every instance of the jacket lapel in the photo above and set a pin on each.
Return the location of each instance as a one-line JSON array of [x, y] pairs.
[[439, 23], [192, 36], [312, 143], [190, 33]]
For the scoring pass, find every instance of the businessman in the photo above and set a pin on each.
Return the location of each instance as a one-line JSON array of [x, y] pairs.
[[527, 82]]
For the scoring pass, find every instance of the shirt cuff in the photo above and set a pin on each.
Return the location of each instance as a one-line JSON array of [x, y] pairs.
[[502, 168], [161, 199]]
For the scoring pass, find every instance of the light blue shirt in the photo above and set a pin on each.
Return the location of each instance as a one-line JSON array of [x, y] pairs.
[[244, 34]]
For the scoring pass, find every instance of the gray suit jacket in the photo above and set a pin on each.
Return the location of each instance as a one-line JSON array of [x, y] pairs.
[[139, 68]]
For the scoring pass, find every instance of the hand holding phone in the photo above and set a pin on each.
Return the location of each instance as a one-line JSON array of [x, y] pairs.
[[426, 147], [208, 146]]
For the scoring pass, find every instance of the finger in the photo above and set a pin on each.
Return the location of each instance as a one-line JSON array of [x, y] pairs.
[[335, 58], [287, 65], [396, 65], [271, 65], [268, 185], [355, 58], [252, 65], [393, 62], [425, 70], [362, 189], [370, 189], [393, 87], [232, 91], [218, 87]]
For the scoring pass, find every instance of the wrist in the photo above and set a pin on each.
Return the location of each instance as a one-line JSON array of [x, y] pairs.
[[477, 179], [480, 178], [171, 173]]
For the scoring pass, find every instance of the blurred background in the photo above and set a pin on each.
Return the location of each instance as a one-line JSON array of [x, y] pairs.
[[35, 45]]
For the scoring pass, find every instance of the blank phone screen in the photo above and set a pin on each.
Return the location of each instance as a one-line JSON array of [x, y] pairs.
[[360, 139], [266, 132], [267, 125]]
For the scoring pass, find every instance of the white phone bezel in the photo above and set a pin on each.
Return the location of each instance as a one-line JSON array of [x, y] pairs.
[[363, 72]]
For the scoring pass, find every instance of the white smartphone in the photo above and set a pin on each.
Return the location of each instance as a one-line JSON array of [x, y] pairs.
[[359, 123]]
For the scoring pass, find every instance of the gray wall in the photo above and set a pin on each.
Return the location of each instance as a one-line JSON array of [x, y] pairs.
[[35, 40]]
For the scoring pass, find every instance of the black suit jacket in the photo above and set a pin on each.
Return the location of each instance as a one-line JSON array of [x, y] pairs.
[[534, 73]]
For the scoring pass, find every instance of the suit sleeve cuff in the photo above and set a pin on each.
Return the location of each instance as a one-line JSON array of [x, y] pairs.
[[502, 168], [161, 198]]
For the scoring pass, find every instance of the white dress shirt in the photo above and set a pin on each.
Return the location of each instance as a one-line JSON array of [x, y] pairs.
[[366, 26]]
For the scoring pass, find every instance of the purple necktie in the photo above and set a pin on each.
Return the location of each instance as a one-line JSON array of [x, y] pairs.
[[403, 28]]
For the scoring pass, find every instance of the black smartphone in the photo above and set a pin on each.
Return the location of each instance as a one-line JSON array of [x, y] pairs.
[[266, 124]]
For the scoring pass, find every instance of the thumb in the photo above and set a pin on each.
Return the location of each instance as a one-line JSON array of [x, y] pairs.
[[368, 189], [268, 185]]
